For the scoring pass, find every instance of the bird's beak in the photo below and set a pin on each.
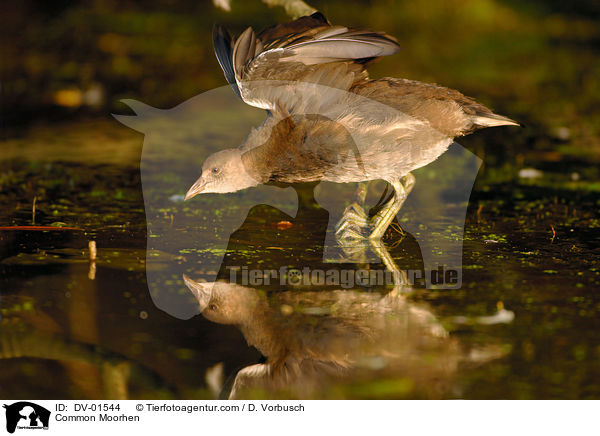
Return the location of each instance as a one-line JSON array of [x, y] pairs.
[[202, 291], [196, 189]]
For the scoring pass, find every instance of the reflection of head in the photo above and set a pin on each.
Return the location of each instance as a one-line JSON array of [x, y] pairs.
[[222, 302]]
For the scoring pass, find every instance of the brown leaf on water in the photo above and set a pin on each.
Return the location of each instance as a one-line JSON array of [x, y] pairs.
[[284, 225]]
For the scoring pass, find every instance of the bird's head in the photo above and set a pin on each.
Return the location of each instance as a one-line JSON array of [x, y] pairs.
[[222, 172]]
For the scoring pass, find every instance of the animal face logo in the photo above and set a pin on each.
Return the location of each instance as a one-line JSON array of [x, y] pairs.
[[26, 415], [201, 236]]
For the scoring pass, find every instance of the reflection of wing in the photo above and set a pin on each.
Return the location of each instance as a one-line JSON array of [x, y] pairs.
[[305, 50]]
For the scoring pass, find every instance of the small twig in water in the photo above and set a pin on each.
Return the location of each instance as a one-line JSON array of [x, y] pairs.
[[553, 233], [395, 227], [93, 252], [33, 210]]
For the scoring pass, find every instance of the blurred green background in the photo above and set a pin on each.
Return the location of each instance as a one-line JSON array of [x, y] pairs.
[[534, 60]]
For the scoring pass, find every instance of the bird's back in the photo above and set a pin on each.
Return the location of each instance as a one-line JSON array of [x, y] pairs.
[[446, 110]]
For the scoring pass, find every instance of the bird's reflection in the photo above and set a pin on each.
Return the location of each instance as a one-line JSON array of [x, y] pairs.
[[319, 339], [314, 336], [312, 339]]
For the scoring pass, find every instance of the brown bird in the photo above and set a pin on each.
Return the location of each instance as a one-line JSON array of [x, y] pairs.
[[327, 121]]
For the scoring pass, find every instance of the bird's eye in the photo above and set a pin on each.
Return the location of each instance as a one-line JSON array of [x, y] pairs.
[[216, 170], [212, 307]]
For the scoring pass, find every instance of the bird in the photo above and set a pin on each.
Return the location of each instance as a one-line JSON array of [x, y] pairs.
[[328, 121], [311, 339]]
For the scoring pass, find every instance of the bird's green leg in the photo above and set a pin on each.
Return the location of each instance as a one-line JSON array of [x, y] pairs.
[[385, 216]]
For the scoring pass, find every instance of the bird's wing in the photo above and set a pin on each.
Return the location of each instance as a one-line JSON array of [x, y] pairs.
[[306, 50], [274, 37]]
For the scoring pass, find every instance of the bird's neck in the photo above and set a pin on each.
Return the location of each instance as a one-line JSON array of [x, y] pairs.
[[256, 166]]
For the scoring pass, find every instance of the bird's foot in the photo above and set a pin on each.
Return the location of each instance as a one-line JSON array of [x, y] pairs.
[[350, 227], [350, 233]]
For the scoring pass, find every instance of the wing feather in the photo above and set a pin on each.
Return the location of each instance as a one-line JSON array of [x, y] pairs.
[[243, 51], [309, 45], [223, 50]]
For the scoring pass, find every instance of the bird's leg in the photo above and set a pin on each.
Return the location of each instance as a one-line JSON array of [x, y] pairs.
[[348, 228], [385, 216]]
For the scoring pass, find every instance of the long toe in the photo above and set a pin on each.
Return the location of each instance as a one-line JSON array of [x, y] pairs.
[[353, 243], [349, 234], [354, 217]]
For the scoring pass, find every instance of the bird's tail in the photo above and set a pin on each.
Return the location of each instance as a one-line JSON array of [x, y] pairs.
[[492, 120]]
